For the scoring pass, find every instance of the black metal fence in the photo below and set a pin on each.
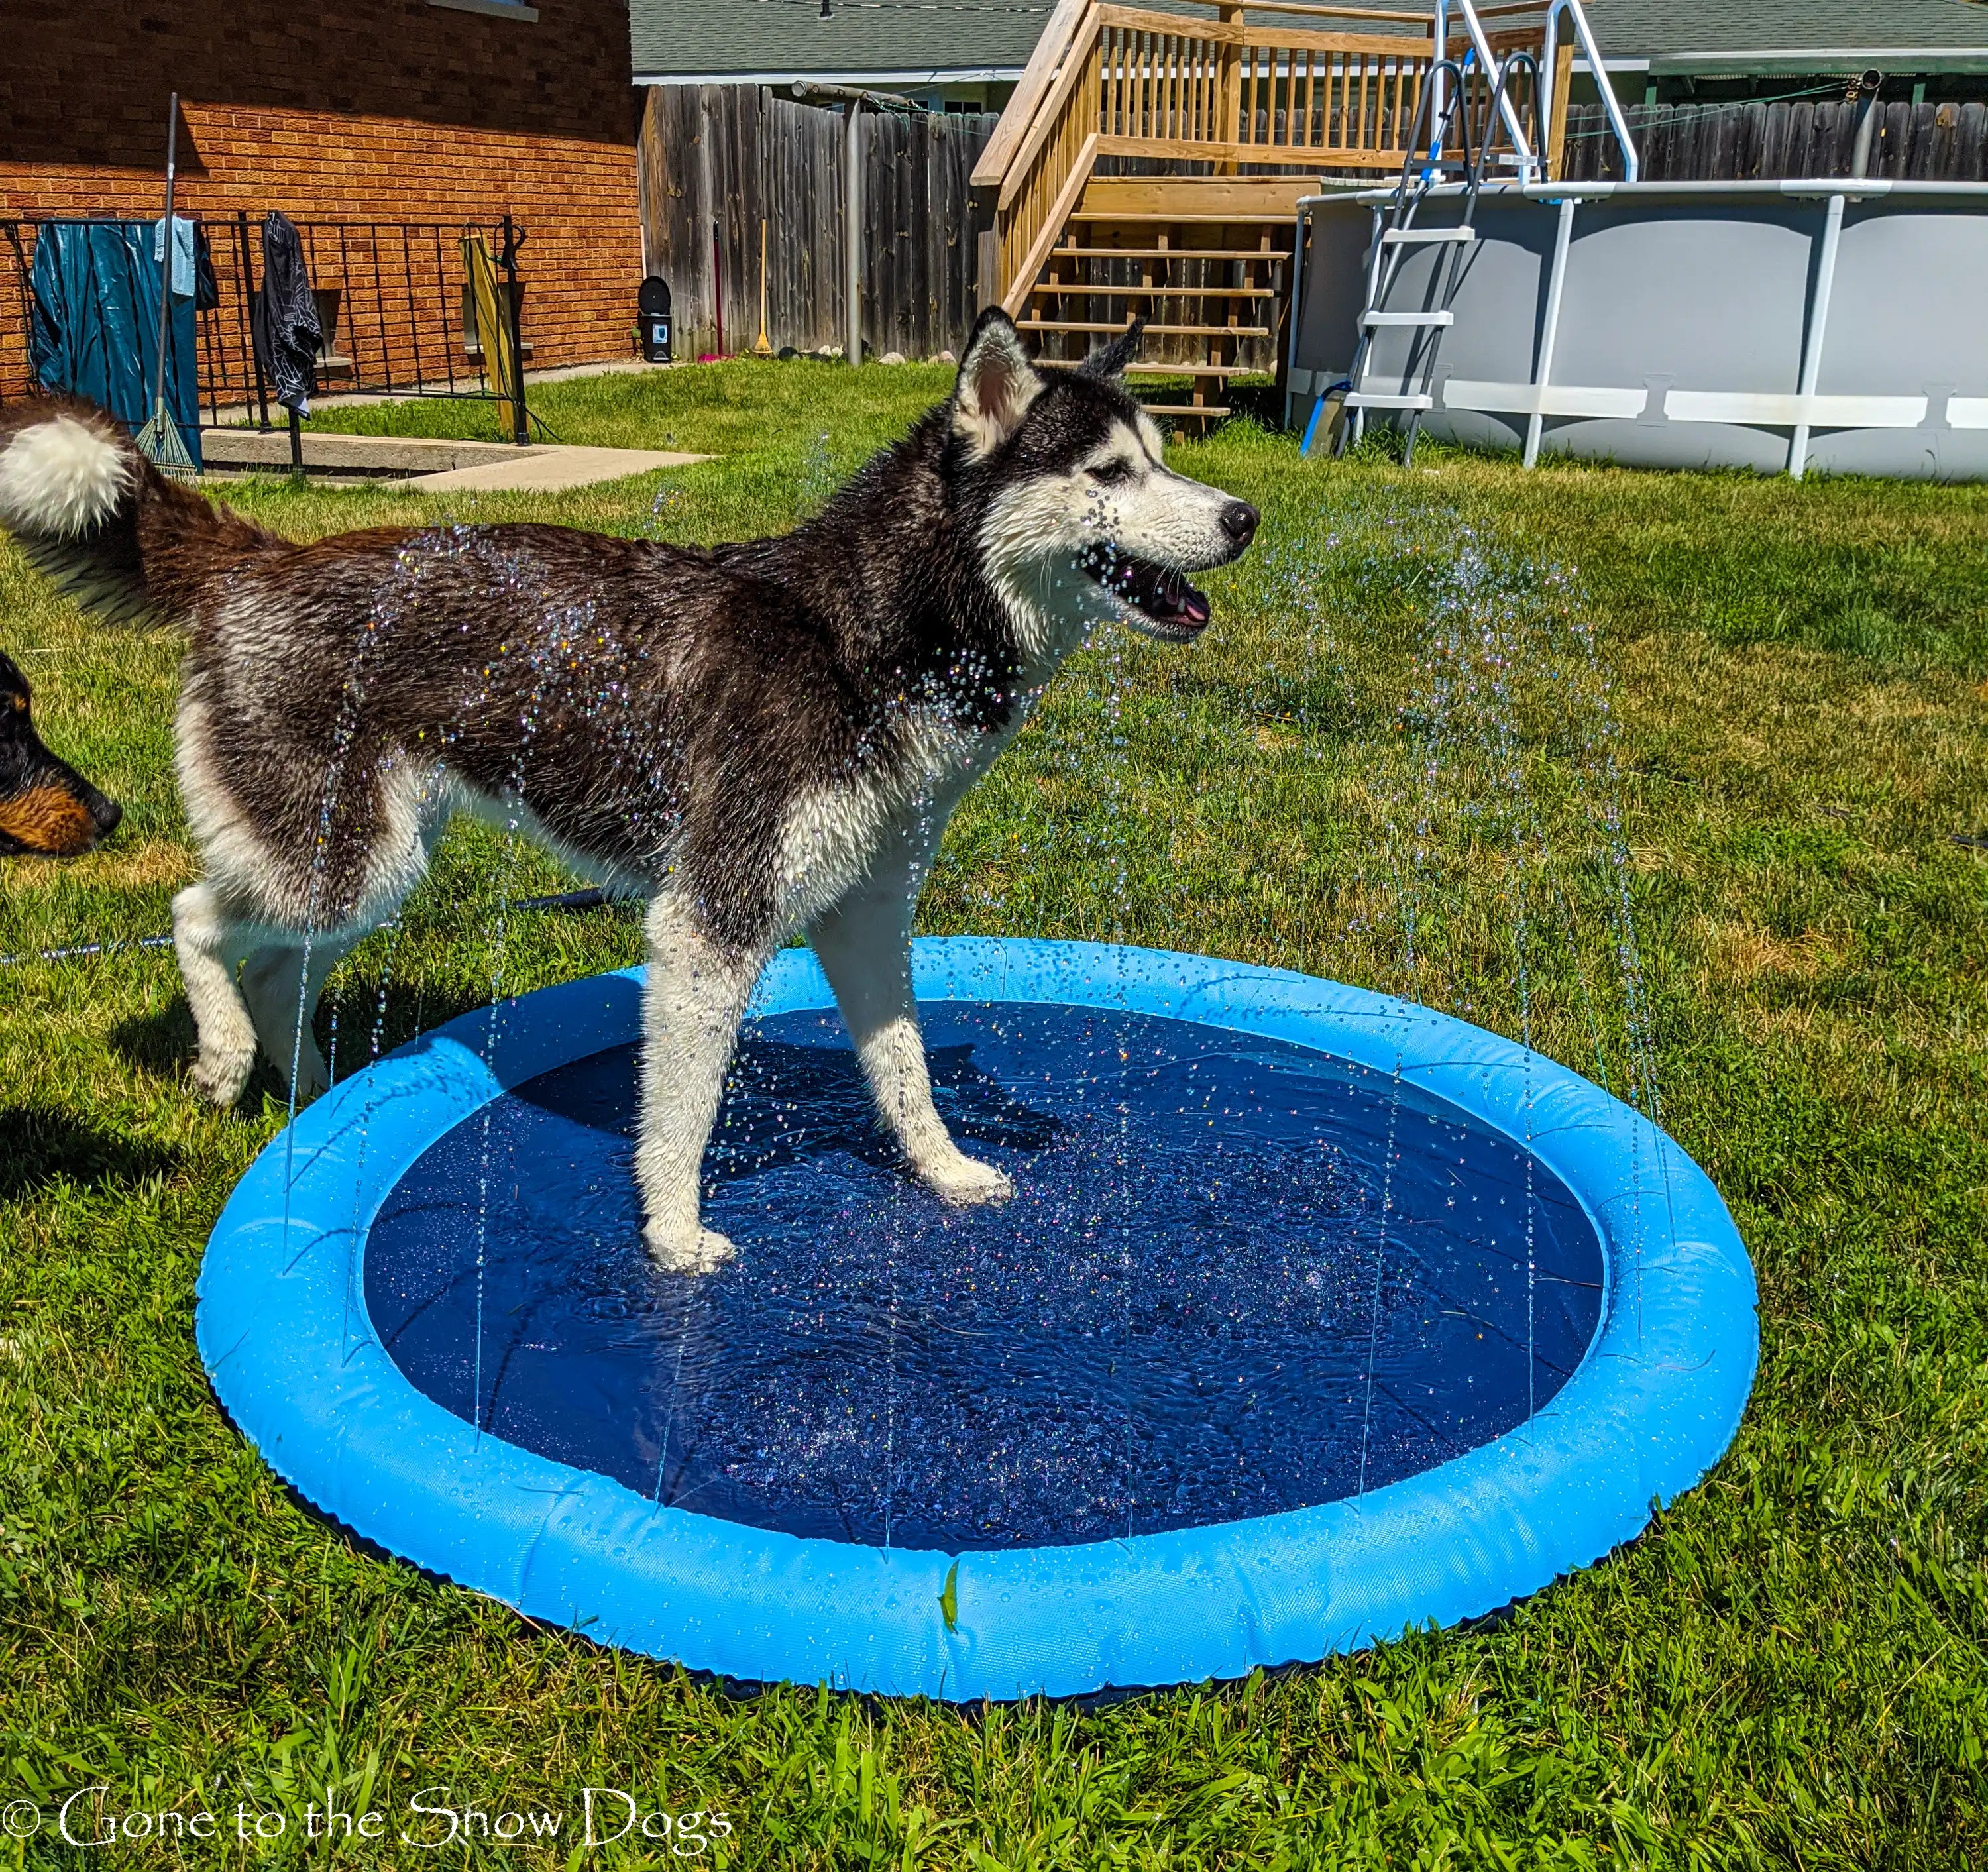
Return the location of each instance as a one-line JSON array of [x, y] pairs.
[[393, 300]]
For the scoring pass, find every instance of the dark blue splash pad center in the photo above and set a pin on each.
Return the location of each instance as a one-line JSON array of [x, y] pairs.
[[1238, 1276]]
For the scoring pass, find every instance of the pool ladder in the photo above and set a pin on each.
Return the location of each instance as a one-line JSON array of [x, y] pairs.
[[1402, 236]]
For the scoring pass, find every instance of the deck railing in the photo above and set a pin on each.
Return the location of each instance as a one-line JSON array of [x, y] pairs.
[[1232, 89]]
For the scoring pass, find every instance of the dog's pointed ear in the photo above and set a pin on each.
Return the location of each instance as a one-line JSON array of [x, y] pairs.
[[1110, 360], [997, 383]]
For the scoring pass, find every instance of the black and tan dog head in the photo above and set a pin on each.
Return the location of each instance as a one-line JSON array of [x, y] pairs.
[[46, 806]]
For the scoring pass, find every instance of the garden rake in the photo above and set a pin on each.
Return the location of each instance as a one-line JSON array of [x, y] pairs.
[[160, 438]]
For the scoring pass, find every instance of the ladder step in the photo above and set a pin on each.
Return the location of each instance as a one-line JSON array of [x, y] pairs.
[[1408, 318], [1152, 331], [1386, 400], [1186, 409], [1425, 237]]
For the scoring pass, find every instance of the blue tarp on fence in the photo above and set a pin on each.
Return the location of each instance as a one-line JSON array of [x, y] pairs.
[[96, 326]]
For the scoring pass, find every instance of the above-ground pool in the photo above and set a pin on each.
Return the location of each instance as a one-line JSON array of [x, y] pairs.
[[1315, 1316], [1824, 326]]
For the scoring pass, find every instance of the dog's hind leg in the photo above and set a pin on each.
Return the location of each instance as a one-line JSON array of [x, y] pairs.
[[210, 947], [692, 1003], [865, 946], [283, 979], [281, 982]]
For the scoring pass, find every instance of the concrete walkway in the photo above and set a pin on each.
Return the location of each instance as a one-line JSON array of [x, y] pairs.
[[234, 414], [543, 470], [420, 464]]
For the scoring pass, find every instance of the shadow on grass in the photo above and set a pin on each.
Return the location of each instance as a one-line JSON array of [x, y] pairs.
[[160, 1042], [370, 1027], [45, 1144]]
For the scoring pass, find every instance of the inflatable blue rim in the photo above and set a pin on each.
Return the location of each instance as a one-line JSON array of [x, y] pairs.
[[282, 1328]]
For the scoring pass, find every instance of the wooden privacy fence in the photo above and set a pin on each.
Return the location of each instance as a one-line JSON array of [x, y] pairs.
[[1242, 89], [1735, 142], [716, 158]]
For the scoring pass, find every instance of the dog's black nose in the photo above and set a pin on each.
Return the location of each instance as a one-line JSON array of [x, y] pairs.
[[104, 813], [1239, 521]]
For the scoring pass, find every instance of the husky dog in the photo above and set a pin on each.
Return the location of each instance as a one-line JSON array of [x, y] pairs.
[[46, 807], [757, 738]]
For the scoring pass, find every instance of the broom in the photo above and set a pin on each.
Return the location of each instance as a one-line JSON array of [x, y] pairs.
[[160, 438], [763, 349]]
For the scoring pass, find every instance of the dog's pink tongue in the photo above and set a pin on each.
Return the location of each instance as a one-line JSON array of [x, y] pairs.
[[1178, 602]]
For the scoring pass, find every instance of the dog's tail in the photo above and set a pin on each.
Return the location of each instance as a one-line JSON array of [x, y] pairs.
[[90, 511]]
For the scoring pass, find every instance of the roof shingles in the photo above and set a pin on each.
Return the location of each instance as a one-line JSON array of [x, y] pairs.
[[911, 41], [774, 39], [1660, 29]]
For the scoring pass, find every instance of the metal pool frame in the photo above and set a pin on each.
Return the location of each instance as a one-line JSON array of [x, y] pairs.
[[282, 1328], [1822, 323]]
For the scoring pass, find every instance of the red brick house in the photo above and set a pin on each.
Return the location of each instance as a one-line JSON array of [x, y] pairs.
[[385, 112]]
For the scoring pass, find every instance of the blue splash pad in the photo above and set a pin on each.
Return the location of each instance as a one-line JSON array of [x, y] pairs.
[[1173, 1324], [704, 1470]]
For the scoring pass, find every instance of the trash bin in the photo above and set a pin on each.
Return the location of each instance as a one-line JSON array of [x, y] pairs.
[[652, 318]]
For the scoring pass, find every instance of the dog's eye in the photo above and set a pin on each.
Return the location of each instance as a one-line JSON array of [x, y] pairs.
[[1113, 473]]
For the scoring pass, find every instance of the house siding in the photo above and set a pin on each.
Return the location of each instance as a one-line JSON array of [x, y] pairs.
[[368, 110]]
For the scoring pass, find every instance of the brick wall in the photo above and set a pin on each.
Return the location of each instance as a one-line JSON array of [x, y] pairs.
[[363, 111]]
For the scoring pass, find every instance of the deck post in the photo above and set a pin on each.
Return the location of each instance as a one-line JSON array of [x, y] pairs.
[[1228, 66]]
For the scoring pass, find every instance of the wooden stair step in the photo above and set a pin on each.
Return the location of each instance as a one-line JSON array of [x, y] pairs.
[[1163, 217], [1170, 253], [1075, 288], [1152, 331], [1193, 371], [1186, 409]]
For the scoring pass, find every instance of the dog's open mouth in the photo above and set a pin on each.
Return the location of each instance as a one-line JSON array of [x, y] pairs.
[[1167, 605]]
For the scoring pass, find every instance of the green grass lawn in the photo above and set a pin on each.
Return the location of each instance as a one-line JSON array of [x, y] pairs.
[[1449, 727]]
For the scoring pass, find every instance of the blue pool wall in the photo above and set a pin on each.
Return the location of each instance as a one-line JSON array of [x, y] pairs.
[[283, 1331]]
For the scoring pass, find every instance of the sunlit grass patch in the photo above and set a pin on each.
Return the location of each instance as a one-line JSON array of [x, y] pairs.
[[1434, 706]]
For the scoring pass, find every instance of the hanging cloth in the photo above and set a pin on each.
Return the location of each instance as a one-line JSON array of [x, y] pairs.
[[489, 301], [183, 253], [287, 334], [206, 288], [95, 330]]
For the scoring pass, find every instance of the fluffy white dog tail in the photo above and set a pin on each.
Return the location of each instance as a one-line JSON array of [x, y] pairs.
[[64, 477], [105, 525]]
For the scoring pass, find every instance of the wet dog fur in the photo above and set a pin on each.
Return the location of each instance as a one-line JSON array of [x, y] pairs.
[[757, 738]]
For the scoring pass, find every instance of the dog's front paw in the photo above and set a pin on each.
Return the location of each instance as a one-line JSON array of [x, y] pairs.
[[962, 1179], [687, 1251], [224, 1077]]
